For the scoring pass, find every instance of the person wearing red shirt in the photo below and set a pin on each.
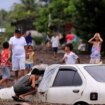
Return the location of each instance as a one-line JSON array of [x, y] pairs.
[[5, 63], [69, 37]]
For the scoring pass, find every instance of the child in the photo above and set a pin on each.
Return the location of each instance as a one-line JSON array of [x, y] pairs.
[[82, 46], [55, 44], [30, 58], [26, 85], [5, 63], [70, 57], [55, 41], [96, 48]]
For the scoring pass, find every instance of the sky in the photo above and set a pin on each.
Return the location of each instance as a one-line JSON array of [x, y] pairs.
[[7, 4]]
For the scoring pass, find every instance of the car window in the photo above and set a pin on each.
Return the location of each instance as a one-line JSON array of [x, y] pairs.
[[77, 80], [67, 77], [97, 72]]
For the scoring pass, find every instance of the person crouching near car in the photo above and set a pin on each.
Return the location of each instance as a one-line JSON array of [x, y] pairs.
[[69, 56], [26, 85]]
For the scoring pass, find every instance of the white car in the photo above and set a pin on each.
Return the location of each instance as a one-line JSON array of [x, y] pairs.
[[73, 84]]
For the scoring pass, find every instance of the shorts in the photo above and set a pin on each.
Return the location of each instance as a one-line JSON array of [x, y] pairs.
[[29, 66], [94, 60], [5, 73], [29, 44], [55, 49], [23, 90], [18, 63]]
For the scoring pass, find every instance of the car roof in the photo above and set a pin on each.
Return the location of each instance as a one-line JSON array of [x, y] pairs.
[[80, 66]]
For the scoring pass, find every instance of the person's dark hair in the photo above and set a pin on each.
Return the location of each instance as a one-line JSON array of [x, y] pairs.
[[70, 46], [36, 71], [5, 45], [29, 33], [30, 46], [17, 31]]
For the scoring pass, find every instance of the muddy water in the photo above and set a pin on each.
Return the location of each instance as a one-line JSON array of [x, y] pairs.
[[6, 102]]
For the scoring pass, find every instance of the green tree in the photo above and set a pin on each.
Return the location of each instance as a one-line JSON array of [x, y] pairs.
[[26, 10], [3, 18], [89, 17], [60, 12], [41, 22]]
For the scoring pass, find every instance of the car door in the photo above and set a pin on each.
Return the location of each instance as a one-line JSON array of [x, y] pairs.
[[67, 86]]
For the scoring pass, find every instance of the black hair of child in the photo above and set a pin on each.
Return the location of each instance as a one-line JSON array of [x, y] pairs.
[[17, 31], [5, 45], [36, 71], [70, 46]]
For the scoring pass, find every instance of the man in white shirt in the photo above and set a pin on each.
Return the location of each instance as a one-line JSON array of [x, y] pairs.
[[17, 46], [55, 44]]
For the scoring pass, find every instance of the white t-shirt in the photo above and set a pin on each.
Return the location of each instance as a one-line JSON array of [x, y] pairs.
[[70, 58], [55, 41], [18, 44]]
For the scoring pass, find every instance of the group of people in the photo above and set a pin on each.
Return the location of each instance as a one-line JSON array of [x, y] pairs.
[[95, 57], [70, 57], [23, 57], [55, 41], [16, 54]]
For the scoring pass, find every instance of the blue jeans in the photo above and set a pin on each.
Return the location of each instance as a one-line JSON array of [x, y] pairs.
[[29, 66], [5, 72]]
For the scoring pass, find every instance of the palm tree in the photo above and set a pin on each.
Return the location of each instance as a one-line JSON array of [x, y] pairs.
[[29, 5]]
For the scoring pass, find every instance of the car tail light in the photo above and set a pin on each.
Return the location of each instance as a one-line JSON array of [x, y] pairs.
[[94, 96]]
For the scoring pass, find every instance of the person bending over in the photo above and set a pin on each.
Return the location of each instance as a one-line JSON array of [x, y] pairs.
[[26, 85]]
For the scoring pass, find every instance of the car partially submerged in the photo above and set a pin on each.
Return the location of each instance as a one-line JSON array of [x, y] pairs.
[[74, 84], [78, 84]]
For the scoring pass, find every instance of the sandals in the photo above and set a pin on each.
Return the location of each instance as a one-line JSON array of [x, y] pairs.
[[19, 99], [15, 98]]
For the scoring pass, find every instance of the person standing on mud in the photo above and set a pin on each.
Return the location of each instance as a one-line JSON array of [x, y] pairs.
[[30, 58], [95, 56], [29, 39], [18, 46], [5, 64], [69, 37], [70, 57], [55, 43]]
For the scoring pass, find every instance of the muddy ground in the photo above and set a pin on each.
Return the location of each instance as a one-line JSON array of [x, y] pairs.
[[46, 56]]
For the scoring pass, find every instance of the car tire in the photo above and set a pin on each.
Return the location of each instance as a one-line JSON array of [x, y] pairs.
[[81, 103]]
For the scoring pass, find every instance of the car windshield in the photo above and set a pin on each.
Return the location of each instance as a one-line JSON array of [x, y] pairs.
[[97, 72]]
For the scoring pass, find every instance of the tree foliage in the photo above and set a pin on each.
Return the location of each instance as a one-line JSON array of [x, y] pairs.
[[61, 12], [86, 15], [25, 10], [89, 17], [41, 22]]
